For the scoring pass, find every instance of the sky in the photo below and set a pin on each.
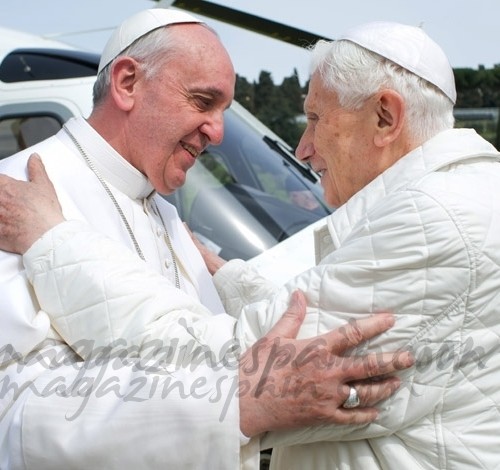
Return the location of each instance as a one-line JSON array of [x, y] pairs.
[[467, 30]]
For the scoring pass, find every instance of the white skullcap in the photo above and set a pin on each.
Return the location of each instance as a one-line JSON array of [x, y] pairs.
[[137, 26], [409, 47]]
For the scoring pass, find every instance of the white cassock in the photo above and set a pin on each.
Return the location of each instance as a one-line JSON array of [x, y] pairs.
[[58, 411]]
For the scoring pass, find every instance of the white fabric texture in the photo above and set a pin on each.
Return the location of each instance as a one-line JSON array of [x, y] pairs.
[[111, 411], [408, 46], [421, 240], [139, 25]]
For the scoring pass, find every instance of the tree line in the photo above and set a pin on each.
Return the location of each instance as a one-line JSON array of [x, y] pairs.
[[279, 106]]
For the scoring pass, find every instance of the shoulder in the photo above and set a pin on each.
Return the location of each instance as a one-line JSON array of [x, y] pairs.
[[467, 194], [52, 151]]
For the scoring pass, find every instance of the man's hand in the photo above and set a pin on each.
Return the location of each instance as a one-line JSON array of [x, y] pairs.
[[28, 209], [213, 261], [287, 383]]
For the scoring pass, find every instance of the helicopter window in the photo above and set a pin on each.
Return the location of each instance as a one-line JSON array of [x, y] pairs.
[[46, 64], [216, 165], [246, 190], [19, 133], [256, 166]]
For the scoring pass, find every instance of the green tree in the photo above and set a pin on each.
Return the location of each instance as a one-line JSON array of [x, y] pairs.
[[267, 100], [469, 93], [245, 93], [292, 93]]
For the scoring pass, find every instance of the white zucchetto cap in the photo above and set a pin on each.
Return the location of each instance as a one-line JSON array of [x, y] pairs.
[[409, 47], [137, 26]]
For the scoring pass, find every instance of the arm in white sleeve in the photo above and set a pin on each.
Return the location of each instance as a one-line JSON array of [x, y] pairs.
[[98, 293], [409, 258], [239, 284]]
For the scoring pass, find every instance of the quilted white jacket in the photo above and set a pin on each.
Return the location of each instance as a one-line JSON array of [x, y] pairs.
[[422, 240]]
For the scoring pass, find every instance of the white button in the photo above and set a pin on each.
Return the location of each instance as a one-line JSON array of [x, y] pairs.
[[167, 263], [159, 231]]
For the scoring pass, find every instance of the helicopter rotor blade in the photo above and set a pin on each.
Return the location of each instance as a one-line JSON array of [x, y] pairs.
[[257, 24]]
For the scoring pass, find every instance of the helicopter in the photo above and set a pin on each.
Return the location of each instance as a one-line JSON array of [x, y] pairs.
[[242, 198]]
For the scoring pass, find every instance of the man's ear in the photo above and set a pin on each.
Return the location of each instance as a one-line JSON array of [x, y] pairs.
[[390, 108], [124, 76]]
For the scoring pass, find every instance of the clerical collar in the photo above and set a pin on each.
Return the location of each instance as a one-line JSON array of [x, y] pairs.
[[109, 163]]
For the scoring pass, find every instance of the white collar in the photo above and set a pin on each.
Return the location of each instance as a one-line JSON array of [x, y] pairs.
[[448, 147], [109, 163]]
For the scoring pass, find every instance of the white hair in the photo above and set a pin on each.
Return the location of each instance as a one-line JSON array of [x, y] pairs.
[[355, 74]]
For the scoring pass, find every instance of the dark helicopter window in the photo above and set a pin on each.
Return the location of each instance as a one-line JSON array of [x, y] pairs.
[[46, 64], [243, 196]]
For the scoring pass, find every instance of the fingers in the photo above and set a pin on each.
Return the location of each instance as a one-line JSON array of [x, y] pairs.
[[212, 260], [201, 248], [32, 208], [375, 364], [372, 392], [38, 175], [289, 324], [357, 331], [36, 169], [355, 416]]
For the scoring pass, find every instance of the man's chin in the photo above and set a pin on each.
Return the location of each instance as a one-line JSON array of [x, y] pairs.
[[171, 186], [332, 200]]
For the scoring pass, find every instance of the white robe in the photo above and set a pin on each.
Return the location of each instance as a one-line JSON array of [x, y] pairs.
[[58, 411], [420, 240]]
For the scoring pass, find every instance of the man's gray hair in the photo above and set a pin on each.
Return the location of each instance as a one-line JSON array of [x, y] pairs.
[[355, 74], [151, 50]]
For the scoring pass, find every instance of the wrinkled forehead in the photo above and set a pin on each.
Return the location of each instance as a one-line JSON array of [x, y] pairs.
[[318, 93], [200, 43], [201, 65]]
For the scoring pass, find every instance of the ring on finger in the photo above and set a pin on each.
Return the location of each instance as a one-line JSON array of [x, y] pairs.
[[353, 400]]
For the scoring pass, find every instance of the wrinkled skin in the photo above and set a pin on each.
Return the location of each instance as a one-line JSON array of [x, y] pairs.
[[161, 124]]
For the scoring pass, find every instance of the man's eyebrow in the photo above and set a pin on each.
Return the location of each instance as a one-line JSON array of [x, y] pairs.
[[213, 91], [216, 92]]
